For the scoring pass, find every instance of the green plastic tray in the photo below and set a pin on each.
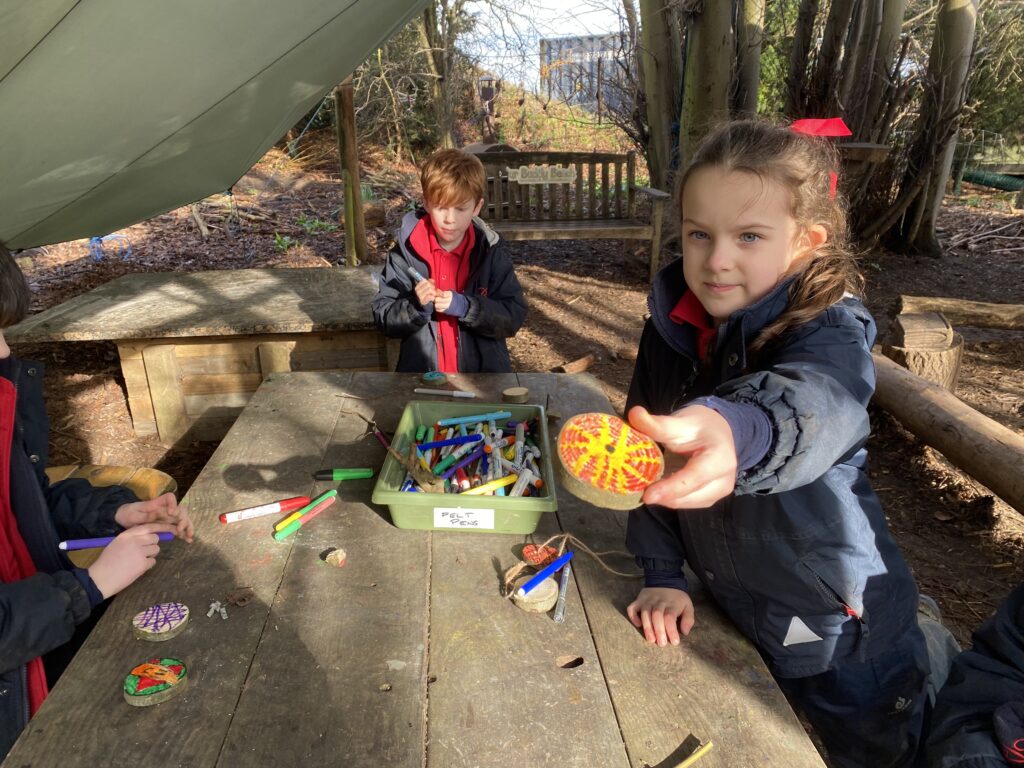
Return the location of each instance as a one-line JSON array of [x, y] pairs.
[[452, 511]]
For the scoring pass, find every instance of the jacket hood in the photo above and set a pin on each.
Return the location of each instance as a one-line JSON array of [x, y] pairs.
[[412, 218]]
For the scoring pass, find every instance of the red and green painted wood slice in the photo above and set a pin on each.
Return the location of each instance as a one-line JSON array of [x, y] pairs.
[[606, 462], [155, 680]]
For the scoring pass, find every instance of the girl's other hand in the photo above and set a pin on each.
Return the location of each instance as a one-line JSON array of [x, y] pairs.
[[163, 509], [128, 556], [662, 613], [426, 292], [705, 438]]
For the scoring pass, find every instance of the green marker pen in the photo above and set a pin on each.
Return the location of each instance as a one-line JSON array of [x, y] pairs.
[[345, 473]]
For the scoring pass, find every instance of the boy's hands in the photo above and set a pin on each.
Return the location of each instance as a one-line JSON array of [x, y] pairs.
[[128, 556], [163, 509], [426, 292], [662, 613], [704, 436]]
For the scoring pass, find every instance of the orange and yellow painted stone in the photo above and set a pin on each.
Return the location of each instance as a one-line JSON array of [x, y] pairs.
[[602, 452]]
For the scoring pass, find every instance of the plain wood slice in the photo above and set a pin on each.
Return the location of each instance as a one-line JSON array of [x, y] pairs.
[[918, 330]]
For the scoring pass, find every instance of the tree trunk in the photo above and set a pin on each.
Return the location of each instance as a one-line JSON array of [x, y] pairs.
[[873, 89], [656, 58], [437, 65], [821, 100], [985, 449], [802, 37], [976, 314], [348, 149], [942, 105], [749, 36], [709, 56]]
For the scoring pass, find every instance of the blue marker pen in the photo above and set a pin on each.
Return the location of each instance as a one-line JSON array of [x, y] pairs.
[[414, 273], [536, 580]]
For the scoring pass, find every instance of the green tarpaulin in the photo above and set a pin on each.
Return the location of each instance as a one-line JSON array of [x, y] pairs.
[[112, 111]]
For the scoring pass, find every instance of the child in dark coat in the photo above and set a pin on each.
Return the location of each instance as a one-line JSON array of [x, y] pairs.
[[448, 289], [756, 364], [43, 597]]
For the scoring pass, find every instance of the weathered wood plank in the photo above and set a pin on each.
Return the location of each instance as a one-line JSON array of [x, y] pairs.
[[215, 303], [291, 425], [491, 662], [165, 391], [573, 230], [370, 626], [715, 685]]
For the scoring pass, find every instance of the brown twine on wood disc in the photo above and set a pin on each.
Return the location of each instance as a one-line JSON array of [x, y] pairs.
[[564, 539]]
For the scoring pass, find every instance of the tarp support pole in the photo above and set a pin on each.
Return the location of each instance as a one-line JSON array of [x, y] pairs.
[[355, 225]]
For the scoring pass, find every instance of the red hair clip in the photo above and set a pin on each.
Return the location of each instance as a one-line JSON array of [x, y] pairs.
[[825, 126]]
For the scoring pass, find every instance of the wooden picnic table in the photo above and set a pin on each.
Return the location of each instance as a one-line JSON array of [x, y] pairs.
[[194, 346], [408, 655]]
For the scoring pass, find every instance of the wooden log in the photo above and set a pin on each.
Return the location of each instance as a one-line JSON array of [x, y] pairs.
[[937, 365], [576, 366], [986, 450], [978, 314]]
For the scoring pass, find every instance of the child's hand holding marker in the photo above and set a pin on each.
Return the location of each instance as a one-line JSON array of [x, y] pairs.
[[705, 438], [163, 509], [128, 556]]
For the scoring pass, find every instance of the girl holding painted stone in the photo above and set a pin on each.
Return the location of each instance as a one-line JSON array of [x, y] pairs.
[[756, 364], [46, 604]]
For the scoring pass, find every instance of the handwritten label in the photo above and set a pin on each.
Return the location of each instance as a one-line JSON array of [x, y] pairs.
[[458, 517], [542, 174]]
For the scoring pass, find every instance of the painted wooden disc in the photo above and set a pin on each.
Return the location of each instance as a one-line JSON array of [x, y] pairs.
[[605, 461], [161, 621], [155, 680], [540, 599]]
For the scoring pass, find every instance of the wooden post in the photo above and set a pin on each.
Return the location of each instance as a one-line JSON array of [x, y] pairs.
[[986, 450], [355, 226]]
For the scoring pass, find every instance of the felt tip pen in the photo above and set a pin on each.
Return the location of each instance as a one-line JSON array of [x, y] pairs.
[[348, 473], [533, 583], [102, 541], [415, 274], [457, 440], [292, 527], [473, 419], [494, 485], [563, 587], [445, 392], [284, 523], [285, 505]]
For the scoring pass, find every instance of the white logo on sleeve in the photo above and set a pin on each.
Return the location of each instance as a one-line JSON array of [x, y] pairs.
[[799, 633]]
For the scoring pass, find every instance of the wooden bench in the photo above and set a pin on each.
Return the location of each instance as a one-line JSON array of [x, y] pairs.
[[194, 346], [569, 196]]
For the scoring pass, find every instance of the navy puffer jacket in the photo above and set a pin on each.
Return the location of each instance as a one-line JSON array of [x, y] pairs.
[[799, 555]]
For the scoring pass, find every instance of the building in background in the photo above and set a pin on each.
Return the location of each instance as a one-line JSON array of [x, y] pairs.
[[585, 71]]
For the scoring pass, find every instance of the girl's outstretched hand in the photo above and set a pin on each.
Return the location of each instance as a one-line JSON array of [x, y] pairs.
[[662, 613], [162, 509], [705, 438]]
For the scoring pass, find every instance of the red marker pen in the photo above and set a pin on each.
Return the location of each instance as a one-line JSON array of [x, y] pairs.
[[285, 505]]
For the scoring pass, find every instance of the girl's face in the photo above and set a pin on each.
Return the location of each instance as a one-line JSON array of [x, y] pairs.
[[739, 238]]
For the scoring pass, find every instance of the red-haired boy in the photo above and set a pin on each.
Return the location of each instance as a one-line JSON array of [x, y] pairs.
[[448, 289]]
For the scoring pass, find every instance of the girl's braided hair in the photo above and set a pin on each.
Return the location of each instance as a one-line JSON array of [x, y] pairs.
[[802, 165]]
